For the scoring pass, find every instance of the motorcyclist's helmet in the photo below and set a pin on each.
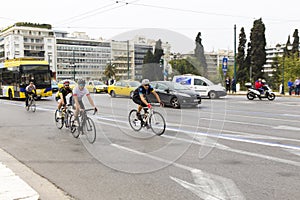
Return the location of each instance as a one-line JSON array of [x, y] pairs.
[[263, 81]]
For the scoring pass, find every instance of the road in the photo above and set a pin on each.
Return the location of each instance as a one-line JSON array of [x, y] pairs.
[[229, 148]]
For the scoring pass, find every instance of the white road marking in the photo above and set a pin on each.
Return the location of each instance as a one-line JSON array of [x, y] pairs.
[[290, 128], [211, 187], [296, 152], [218, 186]]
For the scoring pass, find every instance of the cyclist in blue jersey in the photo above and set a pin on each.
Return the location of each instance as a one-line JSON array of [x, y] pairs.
[[139, 96]]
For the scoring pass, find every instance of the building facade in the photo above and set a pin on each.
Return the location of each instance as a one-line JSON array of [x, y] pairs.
[[27, 40], [79, 57]]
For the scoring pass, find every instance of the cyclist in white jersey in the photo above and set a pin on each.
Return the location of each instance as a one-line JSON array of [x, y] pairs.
[[78, 93]]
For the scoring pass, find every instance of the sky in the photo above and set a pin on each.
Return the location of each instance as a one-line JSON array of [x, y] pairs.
[[111, 19]]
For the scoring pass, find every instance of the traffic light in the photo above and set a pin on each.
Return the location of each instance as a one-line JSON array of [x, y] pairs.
[[161, 62]]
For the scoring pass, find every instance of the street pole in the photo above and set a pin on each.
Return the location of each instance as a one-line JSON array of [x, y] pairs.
[[127, 59], [234, 73], [282, 87], [74, 65]]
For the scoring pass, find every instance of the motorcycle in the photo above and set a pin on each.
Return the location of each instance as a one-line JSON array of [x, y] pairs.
[[267, 93]]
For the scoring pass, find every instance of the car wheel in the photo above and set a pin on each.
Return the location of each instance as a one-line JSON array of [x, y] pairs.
[[213, 95], [175, 103], [94, 90], [112, 93]]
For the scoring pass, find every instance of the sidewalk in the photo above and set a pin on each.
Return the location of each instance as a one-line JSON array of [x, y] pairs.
[[13, 187]]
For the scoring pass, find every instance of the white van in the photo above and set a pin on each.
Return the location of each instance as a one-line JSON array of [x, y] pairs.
[[200, 84]]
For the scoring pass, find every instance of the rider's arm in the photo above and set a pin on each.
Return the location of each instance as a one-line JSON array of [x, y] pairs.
[[91, 100], [76, 102], [62, 98], [143, 99], [156, 96]]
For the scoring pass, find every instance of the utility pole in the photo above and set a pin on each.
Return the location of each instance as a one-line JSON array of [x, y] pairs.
[[234, 75], [74, 72], [127, 59]]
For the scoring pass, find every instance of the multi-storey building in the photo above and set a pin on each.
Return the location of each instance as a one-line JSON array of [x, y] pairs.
[[27, 40], [77, 56], [122, 58], [80, 57]]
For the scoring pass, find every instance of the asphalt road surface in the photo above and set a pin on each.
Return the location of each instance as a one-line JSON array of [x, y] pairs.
[[228, 148]]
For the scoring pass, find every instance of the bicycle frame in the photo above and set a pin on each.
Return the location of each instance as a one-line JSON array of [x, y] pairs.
[[150, 119], [31, 103]]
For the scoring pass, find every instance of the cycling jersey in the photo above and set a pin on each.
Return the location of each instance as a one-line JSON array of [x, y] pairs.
[[64, 92], [30, 89], [80, 93], [142, 91]]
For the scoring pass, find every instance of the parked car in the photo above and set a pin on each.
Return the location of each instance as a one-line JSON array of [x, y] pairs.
[[72, 83], [96, 86], [174, 94], [54, 86], [123, 88], [200, 84]]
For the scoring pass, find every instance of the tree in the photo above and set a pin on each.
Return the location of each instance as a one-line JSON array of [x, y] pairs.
[[258, 51], [151, 67], [110, 70], [242, 69], [183, 66], [295, 50]]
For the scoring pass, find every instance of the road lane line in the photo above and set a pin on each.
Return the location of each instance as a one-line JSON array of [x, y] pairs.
[[214, 190]]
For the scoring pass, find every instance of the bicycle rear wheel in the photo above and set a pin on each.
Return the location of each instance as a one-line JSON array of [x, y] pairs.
[[134, 122], [89, 130], [32, 105], [59, 121], [157, 123], [74, 128]]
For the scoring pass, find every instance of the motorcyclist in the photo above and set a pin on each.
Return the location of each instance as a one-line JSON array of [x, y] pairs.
[[259, 85]]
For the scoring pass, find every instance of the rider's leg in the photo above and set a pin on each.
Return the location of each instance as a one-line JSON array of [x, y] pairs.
[[59, 104], [26, 100]]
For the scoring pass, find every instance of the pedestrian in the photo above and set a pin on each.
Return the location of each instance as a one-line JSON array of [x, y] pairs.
[[233, 85], [297, 86], [290, 86], [227, 84]]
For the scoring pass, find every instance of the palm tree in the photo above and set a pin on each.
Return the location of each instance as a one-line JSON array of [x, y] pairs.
[[110, 70]]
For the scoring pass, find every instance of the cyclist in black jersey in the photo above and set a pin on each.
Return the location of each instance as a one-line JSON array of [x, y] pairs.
[[139, 96], [62, 94]]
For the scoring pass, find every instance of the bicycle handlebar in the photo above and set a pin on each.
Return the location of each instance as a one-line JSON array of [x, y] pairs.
[[90, 109]]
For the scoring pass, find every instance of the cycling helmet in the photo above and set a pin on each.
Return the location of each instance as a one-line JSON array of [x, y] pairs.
[[66, 82], [81, 82], [145, 81]]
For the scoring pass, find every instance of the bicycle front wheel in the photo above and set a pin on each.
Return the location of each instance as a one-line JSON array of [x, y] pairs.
[[157, 123], [32, 105], [74, 127], [59, 121], [134, 122], [89, 130]]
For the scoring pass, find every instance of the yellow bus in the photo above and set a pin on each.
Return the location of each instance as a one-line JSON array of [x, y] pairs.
[[15, 75]]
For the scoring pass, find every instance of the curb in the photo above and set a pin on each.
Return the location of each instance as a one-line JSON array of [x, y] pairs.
[[13, 185]]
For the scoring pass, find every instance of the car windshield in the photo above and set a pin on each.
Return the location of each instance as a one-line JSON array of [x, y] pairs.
[[98, 83], [176, 86], [134, 84]]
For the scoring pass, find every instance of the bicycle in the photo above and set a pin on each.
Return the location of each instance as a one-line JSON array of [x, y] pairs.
[[31, 103], [149, 119], [86, 125], [63, 117]]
